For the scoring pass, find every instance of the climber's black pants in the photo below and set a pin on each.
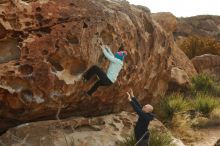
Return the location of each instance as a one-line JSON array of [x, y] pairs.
[[103, 78], [144, 142]]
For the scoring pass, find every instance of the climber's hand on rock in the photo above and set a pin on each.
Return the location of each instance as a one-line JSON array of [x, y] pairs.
[[107, 47], [131, 92], [129, 96], [103, 47]]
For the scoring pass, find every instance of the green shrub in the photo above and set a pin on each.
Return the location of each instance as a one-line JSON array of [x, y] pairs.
[[173, 104], [159, 139], [129, 141], [205, 104], [204, 83], [156, 139]]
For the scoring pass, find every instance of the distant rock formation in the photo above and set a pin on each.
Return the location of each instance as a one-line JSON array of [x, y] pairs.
[[203, 25], [198, 35]]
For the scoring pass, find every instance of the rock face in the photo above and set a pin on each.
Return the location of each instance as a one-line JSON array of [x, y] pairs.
[[209, 64], [108, 130], [47, 45]]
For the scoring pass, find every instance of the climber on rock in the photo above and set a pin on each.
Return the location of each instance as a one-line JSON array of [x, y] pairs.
[[106, 79], [145, 115]]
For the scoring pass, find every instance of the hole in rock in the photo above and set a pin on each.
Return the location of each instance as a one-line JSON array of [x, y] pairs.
[[3, 31], [39, 17], [32, 16], [27, 95], [44, 52], [88, 19], [27, 23], [85, 25], [39, 35], [25, 15], [24, 57], [86, 128], [63, 19], [17, 34], [46, 21], [25, 69], [55, 63], [45, 30], [163, 44], [72, 39], [25, 35], [57, 44], [77, 67], [11, 72], [9, 50], [29, 1], [17, 63], [38, 9], [72, 4], [41, 31]]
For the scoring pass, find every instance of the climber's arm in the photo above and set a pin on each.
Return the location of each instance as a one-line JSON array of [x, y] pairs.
[[108, 55], [109, 51]]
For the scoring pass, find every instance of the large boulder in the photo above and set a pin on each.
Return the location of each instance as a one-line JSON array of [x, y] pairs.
[[46, 46], [167, 20], [108, 130], [209, 64]]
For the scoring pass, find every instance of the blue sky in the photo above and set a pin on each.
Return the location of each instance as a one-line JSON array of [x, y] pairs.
[[183, 8]]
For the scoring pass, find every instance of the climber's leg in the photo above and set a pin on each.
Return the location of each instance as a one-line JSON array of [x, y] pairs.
[[104, 81], [94, 88], [92, 71]]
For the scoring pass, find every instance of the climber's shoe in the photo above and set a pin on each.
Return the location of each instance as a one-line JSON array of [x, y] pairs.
[[84, 79], [87, 94]]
